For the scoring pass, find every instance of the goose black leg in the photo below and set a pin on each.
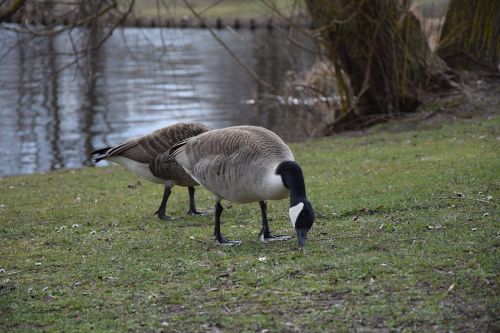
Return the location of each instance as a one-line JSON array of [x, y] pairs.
[[192, 206], [265, 235], [163, 206], [218, 236]]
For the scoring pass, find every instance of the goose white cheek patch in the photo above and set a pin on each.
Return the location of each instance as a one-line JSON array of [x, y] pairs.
[[295, 211]]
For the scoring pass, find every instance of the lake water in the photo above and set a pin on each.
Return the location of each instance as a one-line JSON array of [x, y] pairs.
[[53, 112]]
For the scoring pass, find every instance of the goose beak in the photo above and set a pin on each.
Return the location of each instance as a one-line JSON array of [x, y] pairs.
[[302, 236]]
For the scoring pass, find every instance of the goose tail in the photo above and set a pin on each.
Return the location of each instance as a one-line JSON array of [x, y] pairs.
[[105, 153], [178, 154], [100, 154], [176, 149]]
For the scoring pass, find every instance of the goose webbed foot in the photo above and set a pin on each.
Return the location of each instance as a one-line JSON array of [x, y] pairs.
[[162, 216], [198, 213], [163, 206], [268, 237], [220, 240], [166, 218], [192, 205]]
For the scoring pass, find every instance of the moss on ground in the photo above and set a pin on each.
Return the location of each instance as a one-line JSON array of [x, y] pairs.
[[406, 239]]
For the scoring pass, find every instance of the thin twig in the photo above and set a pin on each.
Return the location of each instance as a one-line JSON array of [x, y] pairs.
[[228, 49], [50, 32], [82, 53], [212, 5]]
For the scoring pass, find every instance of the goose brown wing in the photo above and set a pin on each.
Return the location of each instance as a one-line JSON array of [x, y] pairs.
[[146, 148], [165, 167]]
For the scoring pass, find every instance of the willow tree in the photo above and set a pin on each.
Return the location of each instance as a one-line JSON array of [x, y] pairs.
[[471, 34], [380, 45], [8, 8]]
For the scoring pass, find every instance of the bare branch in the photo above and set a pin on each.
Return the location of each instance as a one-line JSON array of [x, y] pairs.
[[83, 21], [228, 49], [212, 5], [80, 54]]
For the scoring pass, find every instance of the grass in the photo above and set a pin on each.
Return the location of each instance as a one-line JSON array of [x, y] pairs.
[[406, 239], [213, 9]]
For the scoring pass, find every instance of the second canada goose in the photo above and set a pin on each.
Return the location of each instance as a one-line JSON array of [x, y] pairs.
[[147, 156], [245, 164]]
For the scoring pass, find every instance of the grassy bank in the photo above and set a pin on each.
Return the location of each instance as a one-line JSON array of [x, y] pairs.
[[406, 238], [213, 9], [243, 9]]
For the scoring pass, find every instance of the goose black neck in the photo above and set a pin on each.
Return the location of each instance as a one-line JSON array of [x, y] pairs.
[[293, 179]]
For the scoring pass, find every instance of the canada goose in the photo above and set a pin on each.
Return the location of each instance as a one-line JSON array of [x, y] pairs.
[[245, 164], [147, 156]]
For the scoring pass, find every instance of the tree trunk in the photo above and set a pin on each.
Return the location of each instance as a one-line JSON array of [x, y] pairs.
[[471, 34], [380, 46], [11, 7]]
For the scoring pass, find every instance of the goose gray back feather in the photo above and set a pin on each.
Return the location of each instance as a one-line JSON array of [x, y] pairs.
[[236, 163]]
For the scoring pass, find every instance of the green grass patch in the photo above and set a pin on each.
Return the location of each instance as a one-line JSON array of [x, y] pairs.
[[406, 239], [226, 9]]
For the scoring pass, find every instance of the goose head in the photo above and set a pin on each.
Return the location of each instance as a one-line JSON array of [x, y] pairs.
[[301, 211], [302, 217]]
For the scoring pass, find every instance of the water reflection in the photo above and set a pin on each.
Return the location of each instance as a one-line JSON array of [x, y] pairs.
[[140, 80]]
